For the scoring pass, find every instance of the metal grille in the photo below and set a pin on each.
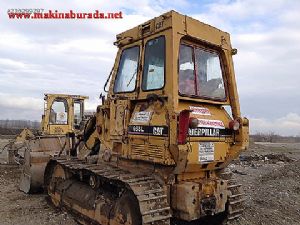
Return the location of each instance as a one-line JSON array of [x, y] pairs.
[[151, 151]]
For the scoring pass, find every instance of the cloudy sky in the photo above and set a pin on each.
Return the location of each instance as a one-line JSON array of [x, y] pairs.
[[75, 56]]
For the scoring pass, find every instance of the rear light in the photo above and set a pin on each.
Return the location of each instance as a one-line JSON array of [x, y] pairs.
[[234, 125], [193, 122], [183, 126]]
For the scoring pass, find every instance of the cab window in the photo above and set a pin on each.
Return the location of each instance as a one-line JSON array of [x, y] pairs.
[[200, 73], [59, 112], [127, 72], [186, 71], [154, 64], [209, 74]]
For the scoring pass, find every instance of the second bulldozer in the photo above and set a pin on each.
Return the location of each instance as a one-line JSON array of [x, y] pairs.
[[169, 127], [63, 115]]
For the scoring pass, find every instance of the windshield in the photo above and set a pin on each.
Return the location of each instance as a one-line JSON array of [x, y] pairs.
[[126, 76], [200, 73], [59, 112]]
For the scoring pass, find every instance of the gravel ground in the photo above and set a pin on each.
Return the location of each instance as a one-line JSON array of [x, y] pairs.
[[18, 208], [269, 173]]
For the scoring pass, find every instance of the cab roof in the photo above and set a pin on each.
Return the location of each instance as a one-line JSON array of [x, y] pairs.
[[82, 97], [181, 25]]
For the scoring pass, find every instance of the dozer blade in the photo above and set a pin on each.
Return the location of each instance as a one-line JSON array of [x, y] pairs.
[[36, 156], [32, 176]]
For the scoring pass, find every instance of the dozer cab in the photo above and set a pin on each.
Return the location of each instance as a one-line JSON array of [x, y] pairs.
[[168, 128], [63, 115]]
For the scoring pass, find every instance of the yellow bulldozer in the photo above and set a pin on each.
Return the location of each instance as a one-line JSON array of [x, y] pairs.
[[168, 128], [63, 115]]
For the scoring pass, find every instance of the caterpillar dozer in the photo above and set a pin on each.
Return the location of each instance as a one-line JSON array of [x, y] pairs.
[[63, 115], [168, 128]]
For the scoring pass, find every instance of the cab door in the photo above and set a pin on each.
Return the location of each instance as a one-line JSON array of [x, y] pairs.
[[124, 91], [148, 130]]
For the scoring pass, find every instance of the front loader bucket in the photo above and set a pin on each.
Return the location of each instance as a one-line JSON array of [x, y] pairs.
[[36, 156]]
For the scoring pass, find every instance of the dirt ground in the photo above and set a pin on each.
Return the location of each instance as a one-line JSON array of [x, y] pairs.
[[269, 173], [17, 208]]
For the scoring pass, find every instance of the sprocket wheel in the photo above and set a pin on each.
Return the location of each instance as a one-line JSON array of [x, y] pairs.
[[126, 211]]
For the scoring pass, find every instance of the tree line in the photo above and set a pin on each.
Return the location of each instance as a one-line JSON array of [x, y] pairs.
[[19, 124]]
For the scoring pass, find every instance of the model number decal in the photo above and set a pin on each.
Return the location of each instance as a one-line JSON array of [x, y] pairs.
[[138, 129], [161, 131]]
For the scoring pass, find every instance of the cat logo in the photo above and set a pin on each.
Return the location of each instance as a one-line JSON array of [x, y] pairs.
[[158, 131], [159, 25]]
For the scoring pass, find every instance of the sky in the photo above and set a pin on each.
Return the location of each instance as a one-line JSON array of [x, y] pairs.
[[76, 56]]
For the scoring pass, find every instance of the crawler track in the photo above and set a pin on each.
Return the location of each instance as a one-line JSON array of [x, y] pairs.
[[151, 195], [236, 201], [236, 197]]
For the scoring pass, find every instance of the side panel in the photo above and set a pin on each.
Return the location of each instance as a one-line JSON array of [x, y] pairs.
[[148, 133]]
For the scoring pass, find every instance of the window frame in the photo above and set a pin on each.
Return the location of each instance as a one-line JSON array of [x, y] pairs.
[[137, 70], [67, 108], [81, 111], [165, 58], [222, 66]]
